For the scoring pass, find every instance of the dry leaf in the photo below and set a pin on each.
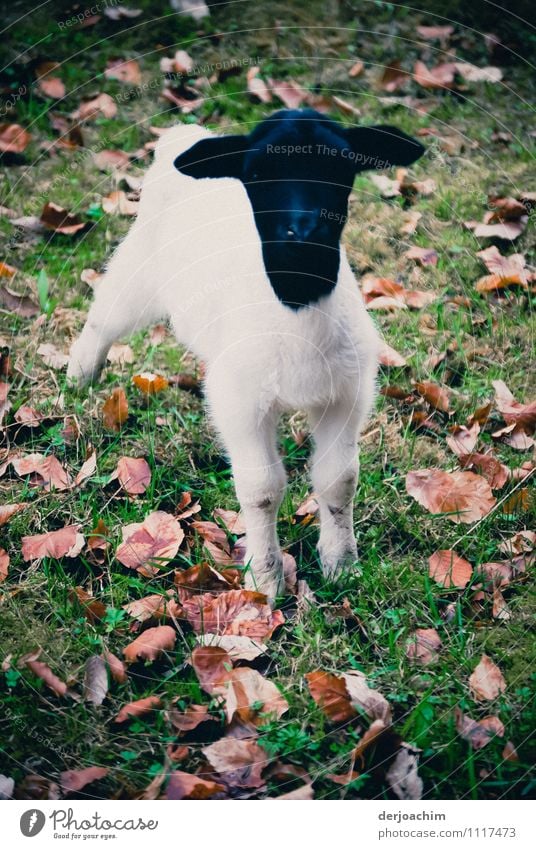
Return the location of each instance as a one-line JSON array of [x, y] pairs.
[[478, 733], [95, 680], [150, 644], [237, 647], [486, 681], [133, 474], [434, 394], [238, 612], [13, 138], [74, 780], [449, 570], [212, 665], [150, 383], [252, 698], [257, 87], [66, 542], [44, 471], [330, 693], [124, 70], [116, 666], [463, 439], [133, 710], [183, 785], [423, 646], [91, 108], [239, 762], [368, 700], [4, 564], [402, 776], [115, 410], [44, 672], [464, 496], [7, 511], [150, 544], [424, 256]]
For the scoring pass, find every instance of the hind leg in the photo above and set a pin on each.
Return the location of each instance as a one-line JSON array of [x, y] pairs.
[[121, 306]]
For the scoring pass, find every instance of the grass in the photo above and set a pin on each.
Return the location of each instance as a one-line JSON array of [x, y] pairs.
[[392, 594]]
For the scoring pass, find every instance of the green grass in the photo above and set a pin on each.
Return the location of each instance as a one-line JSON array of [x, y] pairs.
[[392, 594]]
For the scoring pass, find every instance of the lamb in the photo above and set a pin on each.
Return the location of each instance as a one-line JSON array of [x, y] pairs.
[[237, 244]]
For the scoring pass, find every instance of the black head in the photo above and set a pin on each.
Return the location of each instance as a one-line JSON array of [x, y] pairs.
[[298, 168]]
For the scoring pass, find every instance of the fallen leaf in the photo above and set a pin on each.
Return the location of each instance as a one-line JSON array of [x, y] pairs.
[[486, 681], [149, 607], [402, 776], [150, 544], [7, 511], [133, 710], [424, 256], [124, 70], [115, 410], [94, 610], [193, 716], [95, 680], [393, 77], [118, 203], [21, 305], [59, 220], [205, 577], [92, 107], [237, 647], [356, 69], [462, 439], [232, 520], [252, 698], [411, 221], [66, 542], [236, 612], [434, 394], [183, 785], [464, 496], [212, 665], [257, 87], [150, 644], [133, 474], [239, 762], [330, 693], [44, 471], [519, 543], [4, 564], [478, 732], [474, 74], [116, 666], [495, 472], [442, 76], [504, 270], [150, 383], [289, 92], [390, 358], [74, 780], [424, 645], [87, 469], [364, 697], [44, 672], [106, 160], [449, 570], [181, 63], [512, 411], [13, 138], [509, 753], [120, 355], [442, 33]]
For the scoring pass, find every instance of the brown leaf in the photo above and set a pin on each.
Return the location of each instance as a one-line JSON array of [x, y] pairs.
[[509, 753], [238, 648], [51, 87], [13, 138], [118, 203], [473, 74], [94, 610], [289, 92], [402, 776], [495, 472], [252, 698], [146, 608], [424, 256], [74, 780], [150, 383], [21, 305], [512, 411], [434, 394], [120, 354], [257, 87], [442, 76], [193, 716], [238, 612], [356, 69], [44, 672], [138, 708], [124, 70], [183, 785], [239, 762], [4, 564], [232, 520], [59, 220], [150, 544], [181, 63], [95, 680], [364, 697], [393, 77], [92, 107], [110, 159], [478, 733], [519, 543], [7, 511], [115, 410], [442, 33], [212, 665], [133, 474], [330, 693], [449, 570], [383, 293], [87, 469], [464, 496], [486, 681], [463, 439], [504, 270], [66, 542], [117, 668], [390, 358], [150, 644], [424, 645], [205, 577], [44, 471]]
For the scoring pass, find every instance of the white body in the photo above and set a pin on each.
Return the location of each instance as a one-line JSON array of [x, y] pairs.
[[194, 256]]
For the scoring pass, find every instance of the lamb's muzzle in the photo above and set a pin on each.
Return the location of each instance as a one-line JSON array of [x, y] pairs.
[[237, 244]]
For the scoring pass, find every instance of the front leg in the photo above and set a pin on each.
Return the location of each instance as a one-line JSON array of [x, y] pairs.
[[249, 436], [334, 477]]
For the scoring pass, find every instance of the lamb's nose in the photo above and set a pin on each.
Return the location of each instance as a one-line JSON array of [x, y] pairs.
[[300, 231]]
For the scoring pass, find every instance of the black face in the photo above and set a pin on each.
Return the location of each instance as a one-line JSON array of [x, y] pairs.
[[298, 169]]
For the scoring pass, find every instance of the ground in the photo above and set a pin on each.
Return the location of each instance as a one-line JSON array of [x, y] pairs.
[[485, 337]]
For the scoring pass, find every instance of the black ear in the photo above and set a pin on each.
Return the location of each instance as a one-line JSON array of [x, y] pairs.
[[382, 146], [221, 156]]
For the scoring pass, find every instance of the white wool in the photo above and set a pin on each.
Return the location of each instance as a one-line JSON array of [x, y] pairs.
[[194, 257]]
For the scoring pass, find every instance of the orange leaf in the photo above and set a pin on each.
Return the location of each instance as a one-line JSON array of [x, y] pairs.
[[449, 570], [150, 544], [138, 708], [44, 672], [66, 542], [150, 383], [183, 785], [115, 410], [150, 644], [466, 497], [330, 693]]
